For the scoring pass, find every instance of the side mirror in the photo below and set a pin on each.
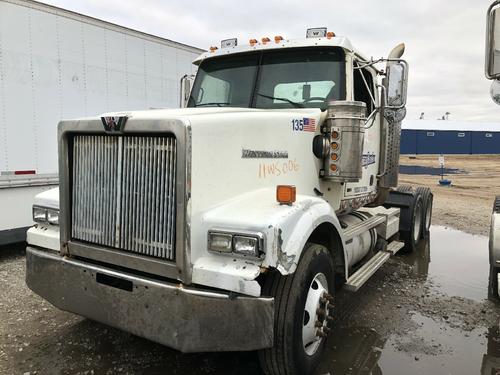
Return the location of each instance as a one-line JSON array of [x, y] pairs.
[[185, 86], [492, 65], [396, 84]]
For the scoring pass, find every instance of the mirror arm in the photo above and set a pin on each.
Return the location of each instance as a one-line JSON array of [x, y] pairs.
[[383, 93]]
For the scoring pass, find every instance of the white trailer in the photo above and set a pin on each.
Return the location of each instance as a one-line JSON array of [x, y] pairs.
[[57, 64]]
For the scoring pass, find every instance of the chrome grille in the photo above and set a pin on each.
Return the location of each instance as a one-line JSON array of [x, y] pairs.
[[124, 193]]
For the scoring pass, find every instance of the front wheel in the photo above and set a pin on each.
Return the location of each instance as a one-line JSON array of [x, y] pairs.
[[303, 314]]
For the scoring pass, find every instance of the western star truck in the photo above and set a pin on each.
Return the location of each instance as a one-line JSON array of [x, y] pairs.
[[229, 225], [59, 64]]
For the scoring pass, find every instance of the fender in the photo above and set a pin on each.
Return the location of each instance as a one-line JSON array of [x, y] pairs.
[[286, 229]]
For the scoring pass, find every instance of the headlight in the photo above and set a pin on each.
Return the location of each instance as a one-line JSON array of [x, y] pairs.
[[53, 217], [39, 214], [220, 242], [246, 245], [45, 215], [237, 243]]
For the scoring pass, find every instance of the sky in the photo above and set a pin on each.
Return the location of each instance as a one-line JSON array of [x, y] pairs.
[[444, 39]]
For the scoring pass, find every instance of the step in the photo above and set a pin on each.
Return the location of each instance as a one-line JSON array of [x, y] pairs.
[[357, 229], [394, 247], [362, 275]]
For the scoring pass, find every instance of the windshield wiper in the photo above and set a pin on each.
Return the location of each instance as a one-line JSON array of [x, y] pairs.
[[295, 104], [214, 103]]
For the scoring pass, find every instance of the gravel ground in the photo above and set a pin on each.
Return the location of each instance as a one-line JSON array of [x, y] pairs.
[[466, 204]]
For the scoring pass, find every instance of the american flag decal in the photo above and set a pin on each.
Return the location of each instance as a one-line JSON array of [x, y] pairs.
[[305, 124], [309, 125]]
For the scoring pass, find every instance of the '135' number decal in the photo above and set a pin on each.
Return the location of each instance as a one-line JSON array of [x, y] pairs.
[[298, 124]]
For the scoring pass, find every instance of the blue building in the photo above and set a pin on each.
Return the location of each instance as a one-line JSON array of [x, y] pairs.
[[449, 137]]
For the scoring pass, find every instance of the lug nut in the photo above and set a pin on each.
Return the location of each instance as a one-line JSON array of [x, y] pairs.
[[318, 324], [321, 313], [323, 300]]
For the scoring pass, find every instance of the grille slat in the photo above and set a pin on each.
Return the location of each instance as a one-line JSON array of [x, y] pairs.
[[124, 193]]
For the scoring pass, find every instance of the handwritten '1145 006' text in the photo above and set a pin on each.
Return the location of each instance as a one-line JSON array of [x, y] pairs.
[[278, 168]]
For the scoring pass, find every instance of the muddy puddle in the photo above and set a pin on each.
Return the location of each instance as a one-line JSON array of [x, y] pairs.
[[417, 170], [444, 332]]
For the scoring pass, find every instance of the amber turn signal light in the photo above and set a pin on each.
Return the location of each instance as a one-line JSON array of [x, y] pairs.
[[253, 42], [278, 38], [265, 40], [330, 35], [333, 167], [335, 145], [286, 194], [213, 49], [335, 134], [335, 157]]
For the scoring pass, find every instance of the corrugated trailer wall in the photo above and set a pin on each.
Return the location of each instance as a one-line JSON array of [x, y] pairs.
[[56, 65], [415, 142], [485, 143]]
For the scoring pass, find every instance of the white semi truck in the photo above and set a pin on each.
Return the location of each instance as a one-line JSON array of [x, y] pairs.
[[58, 64], [228, 225]]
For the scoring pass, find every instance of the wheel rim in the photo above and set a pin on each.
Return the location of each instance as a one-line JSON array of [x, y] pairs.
[[428, 215], [316, 314], [418, 223]]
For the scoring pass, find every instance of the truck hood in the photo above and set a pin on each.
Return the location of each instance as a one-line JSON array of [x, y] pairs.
[[182, 113]]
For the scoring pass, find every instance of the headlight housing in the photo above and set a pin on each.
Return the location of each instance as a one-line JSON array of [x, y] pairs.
[[45, 215], [245, 244]]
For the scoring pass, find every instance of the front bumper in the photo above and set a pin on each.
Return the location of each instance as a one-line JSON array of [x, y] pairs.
[[190, 320]]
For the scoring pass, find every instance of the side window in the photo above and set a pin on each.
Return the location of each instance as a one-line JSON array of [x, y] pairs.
[[214, 90], [363, 93]]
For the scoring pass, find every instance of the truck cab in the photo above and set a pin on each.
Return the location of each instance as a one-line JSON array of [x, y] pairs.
[[225, 225]]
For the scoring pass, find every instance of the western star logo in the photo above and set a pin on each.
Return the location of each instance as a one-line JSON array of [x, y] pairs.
[[113, 123]]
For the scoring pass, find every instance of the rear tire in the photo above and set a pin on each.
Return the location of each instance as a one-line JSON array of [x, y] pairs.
[[428, 199], [297, 297], [411, 236], [405, 189]]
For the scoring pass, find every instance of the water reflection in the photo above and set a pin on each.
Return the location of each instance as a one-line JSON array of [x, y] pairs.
[[458, 266]]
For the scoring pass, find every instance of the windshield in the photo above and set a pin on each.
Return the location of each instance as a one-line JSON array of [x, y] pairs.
[[289, 78]]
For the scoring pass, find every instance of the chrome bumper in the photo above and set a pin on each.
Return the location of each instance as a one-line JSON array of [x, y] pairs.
[[190, 320]]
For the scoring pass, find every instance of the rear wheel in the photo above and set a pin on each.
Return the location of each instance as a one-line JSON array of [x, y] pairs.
[[405, 188], [302, 318], [427, 198]]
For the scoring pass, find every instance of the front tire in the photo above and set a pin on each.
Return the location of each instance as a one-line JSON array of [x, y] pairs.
[[303, 309]]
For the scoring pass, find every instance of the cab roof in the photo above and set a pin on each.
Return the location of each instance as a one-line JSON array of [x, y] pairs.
[[339, 41]]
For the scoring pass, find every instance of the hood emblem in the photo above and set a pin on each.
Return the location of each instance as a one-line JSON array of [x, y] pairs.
[[113, 123]]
